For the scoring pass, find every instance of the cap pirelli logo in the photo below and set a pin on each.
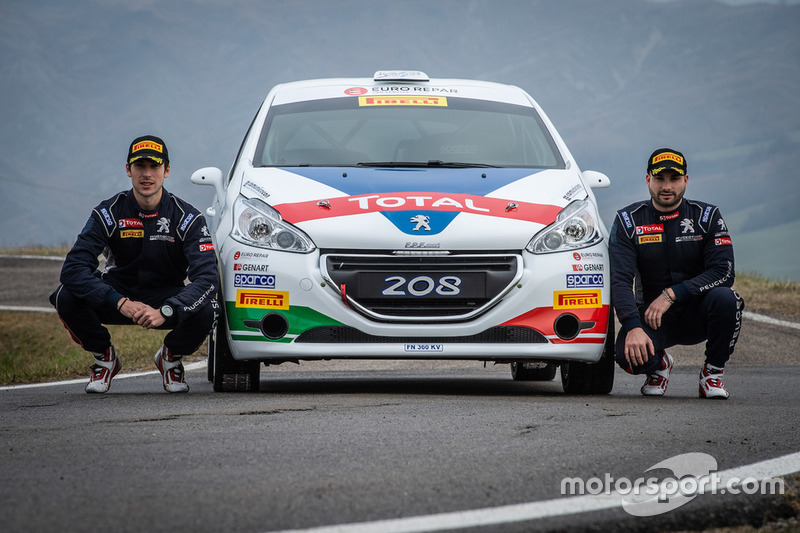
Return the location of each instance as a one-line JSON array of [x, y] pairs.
[[131, 233], [262, 299], [645, 239], [667, 156], [440, 101], [577, 299], [147, 145]]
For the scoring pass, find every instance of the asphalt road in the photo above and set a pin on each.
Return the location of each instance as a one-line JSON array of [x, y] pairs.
[[355, 442]]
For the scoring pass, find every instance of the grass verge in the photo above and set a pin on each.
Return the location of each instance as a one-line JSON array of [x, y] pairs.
[[35, 347]]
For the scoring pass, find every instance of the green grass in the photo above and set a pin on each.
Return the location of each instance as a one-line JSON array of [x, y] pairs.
[[35, 347]]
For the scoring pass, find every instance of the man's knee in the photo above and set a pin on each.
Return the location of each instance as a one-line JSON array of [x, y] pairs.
[[724, 300], [649, 366]]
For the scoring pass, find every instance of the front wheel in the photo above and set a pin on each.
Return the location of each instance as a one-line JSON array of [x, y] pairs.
[[592, 378], [228, 374]]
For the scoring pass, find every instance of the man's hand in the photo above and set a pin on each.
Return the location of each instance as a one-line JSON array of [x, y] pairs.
[[656, 310], [142, 314], [638, 347]]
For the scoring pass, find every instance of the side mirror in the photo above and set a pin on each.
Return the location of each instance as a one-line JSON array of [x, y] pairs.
[[210, 176], [596, 180]]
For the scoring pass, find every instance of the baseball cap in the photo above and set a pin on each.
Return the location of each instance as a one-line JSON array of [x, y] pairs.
[[666, 158], [148, 147]]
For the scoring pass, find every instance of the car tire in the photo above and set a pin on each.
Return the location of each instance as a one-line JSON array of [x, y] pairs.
[[228, 374], [592, 378], [210, 363], [519, 372]]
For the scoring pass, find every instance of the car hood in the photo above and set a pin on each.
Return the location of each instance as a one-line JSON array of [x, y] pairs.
[[402, 208]]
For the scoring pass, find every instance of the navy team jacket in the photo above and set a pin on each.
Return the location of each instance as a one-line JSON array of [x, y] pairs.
[[689, 250], [145, 251]]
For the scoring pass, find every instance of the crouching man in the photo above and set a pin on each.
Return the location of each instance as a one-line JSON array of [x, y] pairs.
[[153, 242]]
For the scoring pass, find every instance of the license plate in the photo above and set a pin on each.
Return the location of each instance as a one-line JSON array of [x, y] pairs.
[[464, 285]]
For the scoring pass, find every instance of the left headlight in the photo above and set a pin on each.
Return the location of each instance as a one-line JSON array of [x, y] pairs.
[[574, 228], [258, 224]]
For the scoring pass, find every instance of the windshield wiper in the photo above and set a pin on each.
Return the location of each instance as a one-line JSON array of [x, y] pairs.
[[424, 164]]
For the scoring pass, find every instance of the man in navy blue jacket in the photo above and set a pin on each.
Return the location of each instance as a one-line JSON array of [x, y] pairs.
[[153, 243], [679, 253]]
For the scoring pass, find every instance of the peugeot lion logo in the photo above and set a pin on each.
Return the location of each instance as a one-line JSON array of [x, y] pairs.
[[421, 221]]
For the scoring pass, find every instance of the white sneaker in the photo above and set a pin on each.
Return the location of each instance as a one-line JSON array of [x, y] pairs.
[[711, 383], [171, 369], [656, 384], [105, 367]]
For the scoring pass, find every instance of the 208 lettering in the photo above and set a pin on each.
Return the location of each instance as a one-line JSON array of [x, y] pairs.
[[422, 286]]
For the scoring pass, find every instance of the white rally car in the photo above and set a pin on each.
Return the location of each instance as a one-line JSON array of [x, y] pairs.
[[402, 217]]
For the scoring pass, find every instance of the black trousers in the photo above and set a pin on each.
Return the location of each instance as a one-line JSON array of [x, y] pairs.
[[715, 318], [85, 322]]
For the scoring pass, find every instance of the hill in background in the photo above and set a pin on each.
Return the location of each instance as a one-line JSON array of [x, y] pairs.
[[618, 78]]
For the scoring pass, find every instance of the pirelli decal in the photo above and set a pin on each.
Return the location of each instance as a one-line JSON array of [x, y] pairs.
[[646, 239], [131, 233], [440, 101], [577, 299], [262, 299], [667, 156], [147, 145]]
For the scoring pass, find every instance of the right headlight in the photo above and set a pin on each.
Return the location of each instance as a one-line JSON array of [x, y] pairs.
[[575, 227], [258, 224]]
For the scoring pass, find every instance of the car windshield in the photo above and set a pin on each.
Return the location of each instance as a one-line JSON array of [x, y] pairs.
[[455, 132]]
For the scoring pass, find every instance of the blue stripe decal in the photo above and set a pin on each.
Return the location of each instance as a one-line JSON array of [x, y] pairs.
[[360, 181]]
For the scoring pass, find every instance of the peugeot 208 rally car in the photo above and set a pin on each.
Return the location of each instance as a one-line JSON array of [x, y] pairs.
[[402, 217]]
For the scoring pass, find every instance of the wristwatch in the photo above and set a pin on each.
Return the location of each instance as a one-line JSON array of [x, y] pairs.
[[167, 311]]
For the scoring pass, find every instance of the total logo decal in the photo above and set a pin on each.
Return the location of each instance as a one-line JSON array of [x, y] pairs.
[[262, 299], [418, 201], [130, 223], [576, 281], [577, 299], [652, 228]]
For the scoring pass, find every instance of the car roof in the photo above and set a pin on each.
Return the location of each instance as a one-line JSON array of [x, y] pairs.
[[397, 83]]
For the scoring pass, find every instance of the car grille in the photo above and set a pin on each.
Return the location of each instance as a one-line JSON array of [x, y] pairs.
[[422, 288], [496, 335]]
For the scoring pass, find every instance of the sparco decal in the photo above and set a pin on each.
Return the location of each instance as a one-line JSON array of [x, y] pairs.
[[259, 281], [187, 221], [107, 217], [418, 201], [577, 281]]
